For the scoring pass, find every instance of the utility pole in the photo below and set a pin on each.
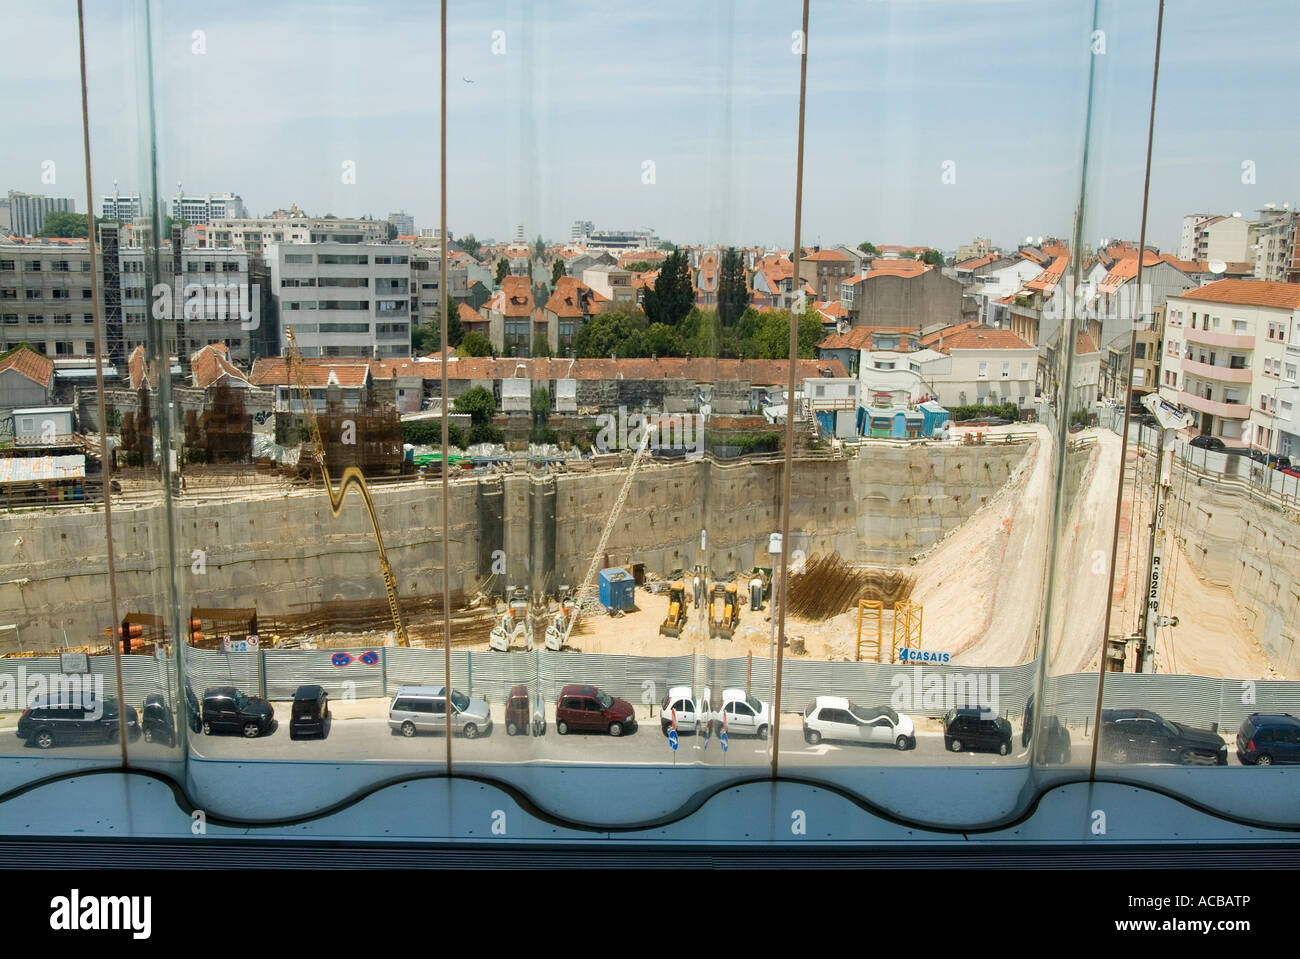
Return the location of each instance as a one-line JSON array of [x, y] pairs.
[[1171, 419]]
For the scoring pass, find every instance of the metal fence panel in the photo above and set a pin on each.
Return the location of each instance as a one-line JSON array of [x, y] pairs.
[[287, 669], [209, 667]]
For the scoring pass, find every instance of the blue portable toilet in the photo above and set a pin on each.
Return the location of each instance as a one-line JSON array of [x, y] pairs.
[[617, 589]]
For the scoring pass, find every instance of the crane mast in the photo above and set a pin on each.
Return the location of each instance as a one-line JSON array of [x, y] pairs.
[[352, 476]]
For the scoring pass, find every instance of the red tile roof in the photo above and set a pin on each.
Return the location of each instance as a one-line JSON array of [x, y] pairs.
[[348, 372], [983, 338], [834, 255], [136, 368], [468, 314], [932, 339], [211, 363], [573, 299], [863, 338], [514, 299], [1084, 344], [27, 362], [1285, 296], [979, 261], [1046, 281]]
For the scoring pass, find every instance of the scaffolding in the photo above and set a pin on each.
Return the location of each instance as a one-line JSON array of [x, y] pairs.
[[907, 627], [872, 613]]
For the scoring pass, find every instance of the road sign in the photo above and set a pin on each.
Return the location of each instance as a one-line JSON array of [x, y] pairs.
[[672, 739], [341, 659], [722, 740], [369, 657]]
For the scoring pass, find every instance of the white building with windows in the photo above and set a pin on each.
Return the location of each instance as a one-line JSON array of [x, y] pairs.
[[205, 209], [343, 299], [290, 226]]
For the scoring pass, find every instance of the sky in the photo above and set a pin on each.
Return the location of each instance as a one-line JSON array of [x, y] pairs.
[[927, 122]]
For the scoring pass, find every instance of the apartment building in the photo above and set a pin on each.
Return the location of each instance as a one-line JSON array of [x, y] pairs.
[[255, 235], [901, 293], [343, 299], [1207, 236], [402, 222], [46, 296], [1277, 245], [124, 207], [27, 211], [205, 209], [824, 271], [1231, 354]]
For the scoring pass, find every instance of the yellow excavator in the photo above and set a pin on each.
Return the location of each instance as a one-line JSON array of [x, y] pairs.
[[352, 477], [673, 625], [725, 602]]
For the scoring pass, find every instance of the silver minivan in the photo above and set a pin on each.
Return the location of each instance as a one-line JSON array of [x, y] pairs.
[[423, 709]]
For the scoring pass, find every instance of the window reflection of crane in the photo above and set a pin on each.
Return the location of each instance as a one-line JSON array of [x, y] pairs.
[[352, 476]]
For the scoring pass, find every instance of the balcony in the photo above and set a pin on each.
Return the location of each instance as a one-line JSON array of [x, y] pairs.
[[1212, 338], [1232, 411], [1212, 371]]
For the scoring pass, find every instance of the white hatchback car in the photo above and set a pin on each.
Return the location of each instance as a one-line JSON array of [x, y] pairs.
[[692, 713], [834, 717], [743, 714]]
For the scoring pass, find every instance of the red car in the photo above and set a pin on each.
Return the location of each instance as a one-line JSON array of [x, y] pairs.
[[588, 709]]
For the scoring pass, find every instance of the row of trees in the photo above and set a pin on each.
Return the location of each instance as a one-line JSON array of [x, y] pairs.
[[754, 335], [931, 257]]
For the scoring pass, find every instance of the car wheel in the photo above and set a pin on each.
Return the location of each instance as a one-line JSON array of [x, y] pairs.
[[813, 737], [292, 734], [762, 732], [512, 729], [1119, 755], [44, 739], [616, 729], [471, 731], [1004, 747], [408, 729], [901, 742], [148, 735], [562, 727], [207, 729], [955, 745], [1263, 759], [110, 734], [251, 730]]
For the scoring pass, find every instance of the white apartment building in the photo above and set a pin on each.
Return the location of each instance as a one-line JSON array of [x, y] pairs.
[[205, 209], [975, 366], [402, 222], [124, 207], [27, 211], [1277, 245], [290, 226], [1206, 237], [1231, 354], [343, 299]]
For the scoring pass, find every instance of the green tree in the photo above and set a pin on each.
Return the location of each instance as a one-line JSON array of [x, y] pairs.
[[557, 271], [469, 244], [907, 254], [427, 338], [933, 257], [63, 224], [390, 231], [667, 245], [475, 343], [673, 294], [772, 338], [539, 245], [503, 269], [733, 294], [662, 340], [541, 347], [613, 332], [868, 247], [478, 403]]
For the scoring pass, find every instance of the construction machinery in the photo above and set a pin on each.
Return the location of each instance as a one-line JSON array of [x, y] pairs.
[[559, 625], [724, 611], [676, 621], [352, 477], [515, 626]]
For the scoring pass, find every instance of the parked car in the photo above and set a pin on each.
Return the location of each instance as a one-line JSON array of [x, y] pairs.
[[52, 721], [1207, 442], [310, 712], [693, 713], [834, 717], [423, 709], [192, 705], [743, 714], [1270, 459], [1141, 736], [1058, 737], [226, 709], [589, 709], [1235, 451], [157, 722], [972, 728], [1268, 738], [524, 713]]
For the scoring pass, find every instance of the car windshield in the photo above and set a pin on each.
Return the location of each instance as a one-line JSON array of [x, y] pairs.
[[753, 704], [459, 700], [604, 699], [240, 700]]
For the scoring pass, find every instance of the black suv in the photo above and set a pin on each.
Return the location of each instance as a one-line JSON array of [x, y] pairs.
[[1057, 749], [310, 711], [51, 721], [226, 709], [1208, 442], [1268, 738], [1141, 736], [972, 728]]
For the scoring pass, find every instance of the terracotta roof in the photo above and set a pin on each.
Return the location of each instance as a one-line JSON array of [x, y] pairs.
[[1046, 281], [907, 269], [858, 338], [29, 363], [514, 299], [643, 256], [468, 314], [1056, 249], [1031, 254], [832, 309], [640, 280], [695, 369], [1084, 344], [706, 276], [211, 363], [979, 261], [930, 339], [827, 255], [1285, 296], [983, 338], [574, 299], [136, 368], [348, 372], [890, 248]]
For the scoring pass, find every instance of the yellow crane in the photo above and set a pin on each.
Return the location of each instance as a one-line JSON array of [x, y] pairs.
[[352, 476]]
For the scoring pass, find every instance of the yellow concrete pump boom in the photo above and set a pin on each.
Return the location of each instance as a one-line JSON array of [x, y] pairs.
[[352, 476]]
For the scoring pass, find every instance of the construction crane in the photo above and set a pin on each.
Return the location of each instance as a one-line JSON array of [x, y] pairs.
[[588, 584], [352, 477]]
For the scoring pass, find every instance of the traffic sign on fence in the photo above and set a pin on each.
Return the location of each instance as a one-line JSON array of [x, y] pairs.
[[369, 657], [341, 659]]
